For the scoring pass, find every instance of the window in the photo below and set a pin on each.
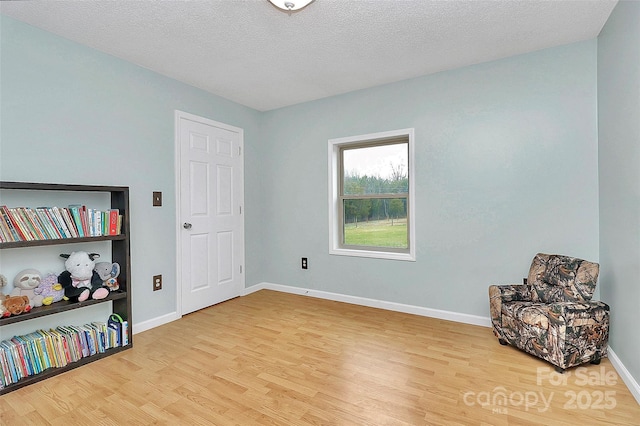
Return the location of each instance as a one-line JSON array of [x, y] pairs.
[[371, 196]]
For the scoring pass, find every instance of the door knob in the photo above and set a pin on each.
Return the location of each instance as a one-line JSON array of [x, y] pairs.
[[186, 225]]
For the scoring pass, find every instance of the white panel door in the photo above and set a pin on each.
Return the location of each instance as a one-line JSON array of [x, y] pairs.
[[210, 212]]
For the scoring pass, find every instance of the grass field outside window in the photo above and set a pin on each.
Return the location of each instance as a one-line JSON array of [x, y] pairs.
[[377, 233]]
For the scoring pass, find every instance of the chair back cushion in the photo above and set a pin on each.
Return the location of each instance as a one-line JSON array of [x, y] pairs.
[[556, 278]]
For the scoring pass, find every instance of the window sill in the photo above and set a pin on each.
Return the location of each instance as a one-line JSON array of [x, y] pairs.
[[407, 257]]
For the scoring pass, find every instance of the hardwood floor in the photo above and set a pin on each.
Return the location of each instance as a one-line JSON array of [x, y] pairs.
[[278, 359]]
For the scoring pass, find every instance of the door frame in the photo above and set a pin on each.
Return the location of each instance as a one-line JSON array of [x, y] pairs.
[[179, 115]]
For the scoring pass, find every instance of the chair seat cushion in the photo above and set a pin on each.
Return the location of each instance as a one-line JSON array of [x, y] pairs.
[[571, 314]]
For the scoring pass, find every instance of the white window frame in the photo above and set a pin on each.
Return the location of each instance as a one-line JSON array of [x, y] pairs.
[[335, 216]]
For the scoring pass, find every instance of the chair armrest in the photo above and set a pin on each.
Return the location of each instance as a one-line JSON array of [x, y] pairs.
[[511, 292], [499, 294], [580, 313]]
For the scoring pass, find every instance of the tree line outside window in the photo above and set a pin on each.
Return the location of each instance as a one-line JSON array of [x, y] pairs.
[[372, 201]]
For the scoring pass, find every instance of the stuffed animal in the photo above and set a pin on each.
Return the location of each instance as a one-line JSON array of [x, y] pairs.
[[108, 274], [80, 282], [50, 289], [25, 283], [15, 305]]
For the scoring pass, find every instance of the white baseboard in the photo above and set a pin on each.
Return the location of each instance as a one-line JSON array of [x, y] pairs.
[[154, 322], [374, 303], [627, 378]]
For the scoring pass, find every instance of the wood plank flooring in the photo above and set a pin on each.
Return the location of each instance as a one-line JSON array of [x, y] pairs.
[[279, 359]]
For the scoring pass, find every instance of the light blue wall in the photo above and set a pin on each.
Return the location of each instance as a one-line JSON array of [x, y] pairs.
[[70, 114], [619, 157], [506, 166]]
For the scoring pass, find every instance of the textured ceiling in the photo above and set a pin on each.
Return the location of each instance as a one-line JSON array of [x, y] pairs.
[[252, 53]]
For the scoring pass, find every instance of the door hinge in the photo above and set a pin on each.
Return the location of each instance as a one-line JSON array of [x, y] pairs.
[[240, 268], [240, 209], [239, 150]]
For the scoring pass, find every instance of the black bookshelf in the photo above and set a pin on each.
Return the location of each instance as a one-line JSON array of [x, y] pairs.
[[120, 252]]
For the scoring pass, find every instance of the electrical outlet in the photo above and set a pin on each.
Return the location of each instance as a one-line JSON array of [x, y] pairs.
[[305, 264], [157, 282]]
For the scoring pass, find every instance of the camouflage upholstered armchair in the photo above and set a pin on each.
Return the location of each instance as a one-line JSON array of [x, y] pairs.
[[552, 315]]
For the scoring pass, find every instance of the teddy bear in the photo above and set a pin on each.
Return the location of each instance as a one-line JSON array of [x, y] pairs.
[[25, 283], [15, 305], [50, 289], [108, 274], [80, 282]]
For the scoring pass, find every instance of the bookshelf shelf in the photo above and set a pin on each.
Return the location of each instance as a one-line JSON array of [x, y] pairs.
[[58, 307], [52, 242], [120, 252]]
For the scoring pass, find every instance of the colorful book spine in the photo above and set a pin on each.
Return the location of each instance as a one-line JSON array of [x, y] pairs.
[[98, 224], [77, 219], [113, 222], [4, 211], [60, 228], [12, 373], [73, 342], [4, 369], [24, 355], [49, 222], [43, 223], [71, 224], [92, 222], [59, 221], [22, 228], [5, 232], [41, 349], [125, 333], [32, 222], [116, 328]]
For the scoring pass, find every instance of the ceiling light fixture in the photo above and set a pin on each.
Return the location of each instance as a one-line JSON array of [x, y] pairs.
[[290, 5]]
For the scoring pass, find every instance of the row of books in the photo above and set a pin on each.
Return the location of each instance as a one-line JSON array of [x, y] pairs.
[[31, 354], [46, 223]]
